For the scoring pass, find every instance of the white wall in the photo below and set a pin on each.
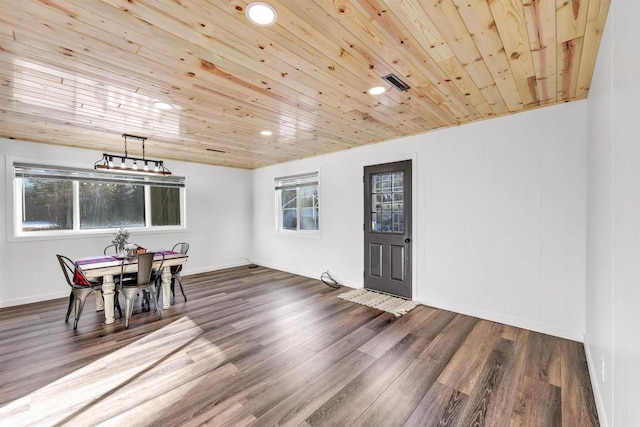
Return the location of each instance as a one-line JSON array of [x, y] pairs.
[[219, 209], [499, 214], [613, 248]]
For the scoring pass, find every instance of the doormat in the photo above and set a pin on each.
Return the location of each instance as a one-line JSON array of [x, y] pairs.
[[394, 305]]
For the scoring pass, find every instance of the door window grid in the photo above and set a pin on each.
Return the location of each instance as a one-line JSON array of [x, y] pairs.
[[387, 210]]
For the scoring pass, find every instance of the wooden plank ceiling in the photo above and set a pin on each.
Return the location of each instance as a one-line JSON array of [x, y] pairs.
[[82, 73]]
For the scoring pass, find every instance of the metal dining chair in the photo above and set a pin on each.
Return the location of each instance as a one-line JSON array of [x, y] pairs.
[[81, 287], [113, 250], [183, 248], [145, 280], [110, 250], [129, 277]]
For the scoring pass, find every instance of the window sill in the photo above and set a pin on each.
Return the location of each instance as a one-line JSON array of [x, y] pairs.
[[313, 235], [84, 234]]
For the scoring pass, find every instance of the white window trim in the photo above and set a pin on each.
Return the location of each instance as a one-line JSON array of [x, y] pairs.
[[306, 234], [14, 211]]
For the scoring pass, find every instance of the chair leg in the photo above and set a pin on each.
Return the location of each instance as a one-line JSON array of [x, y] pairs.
[[129, 295], [146, 301], [179, 280], [155, 301], [78, 311], [71, 298], [79, 305], [116, 302], [158, 287]]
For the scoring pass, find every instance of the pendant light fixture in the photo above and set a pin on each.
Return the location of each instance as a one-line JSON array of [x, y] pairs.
[[132, 164]]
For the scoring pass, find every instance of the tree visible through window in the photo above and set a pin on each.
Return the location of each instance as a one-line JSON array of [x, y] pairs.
[[165, 206], [106, 205], [309, 207], [50, 198], [47, 204]]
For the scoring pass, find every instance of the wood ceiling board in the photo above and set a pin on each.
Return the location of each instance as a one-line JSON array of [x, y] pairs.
[[82, 73], [541, 23], [596, 18]]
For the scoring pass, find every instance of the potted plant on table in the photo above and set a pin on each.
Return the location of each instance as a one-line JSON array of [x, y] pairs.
[[122, 237]]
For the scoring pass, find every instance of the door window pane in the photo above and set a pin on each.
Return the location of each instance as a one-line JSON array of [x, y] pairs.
[[387, 202], [386, 182], [398, 182], [375, 221], [165, 206], [398, 202], [47, 204], [375, 184], [386, 222], [398, 222], [104, 205]]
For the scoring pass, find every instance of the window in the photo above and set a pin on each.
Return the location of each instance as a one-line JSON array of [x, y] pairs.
[[165, 206], [47, 204], [106, 205], [297, 201], [51, 200]]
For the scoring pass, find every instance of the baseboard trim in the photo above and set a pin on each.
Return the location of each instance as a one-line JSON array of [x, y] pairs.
[[346, 283], [595, 385], [508, 320], [188, 272], [37, 298]]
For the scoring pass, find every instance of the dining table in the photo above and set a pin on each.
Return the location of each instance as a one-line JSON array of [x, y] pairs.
[[106, 267]]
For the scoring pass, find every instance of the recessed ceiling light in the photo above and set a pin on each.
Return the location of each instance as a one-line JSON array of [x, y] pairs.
[[162, 105], [266, 133], [261, 14], [377, 90]]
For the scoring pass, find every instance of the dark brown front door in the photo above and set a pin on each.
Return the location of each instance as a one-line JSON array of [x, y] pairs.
[[387, 230]]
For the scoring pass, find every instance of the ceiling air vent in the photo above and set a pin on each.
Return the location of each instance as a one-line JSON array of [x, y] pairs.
[[396, 82]]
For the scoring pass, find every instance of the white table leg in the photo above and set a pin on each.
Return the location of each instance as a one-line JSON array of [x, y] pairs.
[[99, 301], [108, 289], [166, 287]]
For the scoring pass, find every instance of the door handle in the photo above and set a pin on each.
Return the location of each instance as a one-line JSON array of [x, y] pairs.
[[407, 240]]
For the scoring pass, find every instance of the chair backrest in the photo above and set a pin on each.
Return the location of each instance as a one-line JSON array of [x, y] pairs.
[[145, 267], [74, 274], [182, 247], [110, 250]]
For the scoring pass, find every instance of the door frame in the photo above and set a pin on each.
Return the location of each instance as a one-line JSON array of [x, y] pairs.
[[415, 236]]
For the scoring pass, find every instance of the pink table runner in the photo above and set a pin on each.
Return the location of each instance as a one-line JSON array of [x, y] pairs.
[[109, 258]]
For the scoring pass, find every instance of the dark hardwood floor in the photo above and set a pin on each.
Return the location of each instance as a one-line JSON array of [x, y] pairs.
[[263, 347]]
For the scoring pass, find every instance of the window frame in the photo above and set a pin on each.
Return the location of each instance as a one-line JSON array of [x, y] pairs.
[[279, 214], [14, 209]]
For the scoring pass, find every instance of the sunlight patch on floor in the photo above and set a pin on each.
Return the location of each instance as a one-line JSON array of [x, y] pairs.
[[97, 391]]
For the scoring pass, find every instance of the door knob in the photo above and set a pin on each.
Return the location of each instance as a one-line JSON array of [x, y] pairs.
[[407, 240]]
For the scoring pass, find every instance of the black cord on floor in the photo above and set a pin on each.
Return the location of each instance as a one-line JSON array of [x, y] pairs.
[[328, 280]]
